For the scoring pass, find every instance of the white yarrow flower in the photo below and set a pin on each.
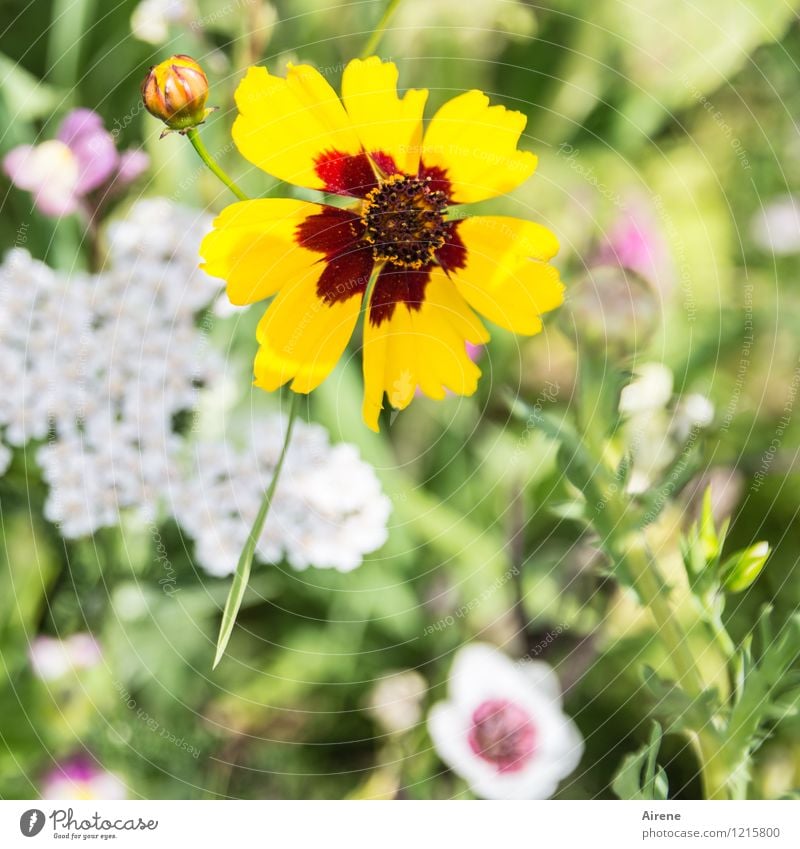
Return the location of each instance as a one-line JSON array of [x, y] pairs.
[[99, 368], [328, 512], [503, 728], [100, 365]]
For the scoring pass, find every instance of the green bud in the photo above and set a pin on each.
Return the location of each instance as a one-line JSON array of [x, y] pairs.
[[710, 542], [742, 568]]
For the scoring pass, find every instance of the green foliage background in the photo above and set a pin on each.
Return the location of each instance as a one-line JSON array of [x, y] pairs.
[[623, 101]]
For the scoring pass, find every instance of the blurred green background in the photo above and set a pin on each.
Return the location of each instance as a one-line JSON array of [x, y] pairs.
[[681, 115]]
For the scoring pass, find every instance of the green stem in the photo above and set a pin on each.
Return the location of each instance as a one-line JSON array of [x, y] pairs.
[[242, 574], [211, 163], [654, 595], [377, 33], [716, 775]]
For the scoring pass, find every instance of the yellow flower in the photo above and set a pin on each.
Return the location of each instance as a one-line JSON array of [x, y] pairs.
[[433, 270]]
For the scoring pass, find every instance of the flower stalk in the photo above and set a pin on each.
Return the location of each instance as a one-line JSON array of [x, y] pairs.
[[625, 542], [377, 34], [202, 151]]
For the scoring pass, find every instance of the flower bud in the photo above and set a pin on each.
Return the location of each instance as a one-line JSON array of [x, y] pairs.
[[175, 91], [744, 567], [617, 311]]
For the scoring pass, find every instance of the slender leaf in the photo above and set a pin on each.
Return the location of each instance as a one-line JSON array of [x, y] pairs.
[[243, 567]]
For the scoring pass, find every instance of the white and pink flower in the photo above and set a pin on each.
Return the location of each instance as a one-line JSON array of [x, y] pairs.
[[61, 172], [52, 658], [80, 778], [503, 729]]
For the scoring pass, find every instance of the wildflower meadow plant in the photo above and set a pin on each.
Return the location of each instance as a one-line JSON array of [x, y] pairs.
[[393, 461], [397, 257]]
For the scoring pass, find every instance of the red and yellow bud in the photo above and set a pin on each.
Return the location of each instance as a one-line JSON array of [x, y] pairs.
[[175, 91]]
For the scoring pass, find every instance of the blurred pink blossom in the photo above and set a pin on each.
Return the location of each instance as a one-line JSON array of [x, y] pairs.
[[474, 352], [83, 158], [52, 658], [80, 778], [636, 242]]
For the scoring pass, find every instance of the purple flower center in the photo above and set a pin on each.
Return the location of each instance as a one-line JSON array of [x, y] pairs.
[[503, 734]]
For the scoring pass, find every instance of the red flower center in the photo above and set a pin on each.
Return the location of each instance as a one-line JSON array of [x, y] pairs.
[[404, 222], [400, 226], [503, 734]]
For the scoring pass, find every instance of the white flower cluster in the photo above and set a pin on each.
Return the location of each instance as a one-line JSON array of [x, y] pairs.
[[100, 365], [328, 509], [100, 368]]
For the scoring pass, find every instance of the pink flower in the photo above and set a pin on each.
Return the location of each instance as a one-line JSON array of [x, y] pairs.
[[80, 778], [83, 158], [503, 729], [49, 171], [52, 658], [635, 242]]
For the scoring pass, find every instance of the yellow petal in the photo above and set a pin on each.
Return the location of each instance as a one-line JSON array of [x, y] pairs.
[[301, 337], [285, 124], [253, 247], [442, 294], [476, 144], [442, 326], [384, 122], [422, 348], [389, 363], [507, 277], [373, 362]]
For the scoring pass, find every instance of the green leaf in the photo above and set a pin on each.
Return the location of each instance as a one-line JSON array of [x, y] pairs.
[[570, 510], [680, 711], [729, 33], [26, 97], [682, 469], [763, 688], [28, 568], [243, 567], [639, 776], [69, 26]]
